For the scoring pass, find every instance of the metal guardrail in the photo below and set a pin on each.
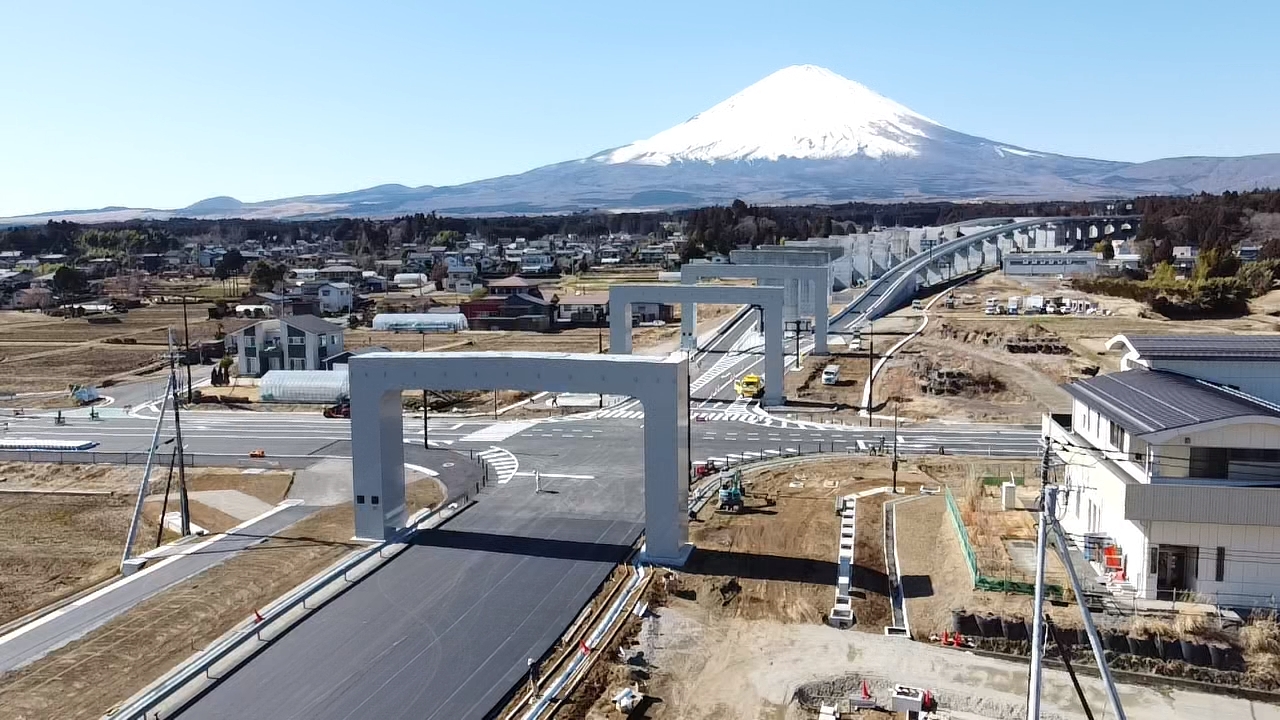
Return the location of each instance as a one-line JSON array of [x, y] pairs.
[[138, 708]]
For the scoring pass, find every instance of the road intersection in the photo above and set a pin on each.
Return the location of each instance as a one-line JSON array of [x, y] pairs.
[[444, 629]]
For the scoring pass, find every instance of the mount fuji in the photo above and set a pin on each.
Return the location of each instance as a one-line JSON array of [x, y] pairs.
[[801, 135]]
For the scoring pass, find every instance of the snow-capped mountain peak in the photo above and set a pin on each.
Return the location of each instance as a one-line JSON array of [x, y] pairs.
[[802, 111]]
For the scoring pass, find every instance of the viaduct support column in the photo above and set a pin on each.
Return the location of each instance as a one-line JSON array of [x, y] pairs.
[[688, 326], [666, 487], [620, 329], [377, 461]]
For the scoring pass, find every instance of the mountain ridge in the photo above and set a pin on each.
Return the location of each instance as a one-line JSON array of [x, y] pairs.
[[844, 143]]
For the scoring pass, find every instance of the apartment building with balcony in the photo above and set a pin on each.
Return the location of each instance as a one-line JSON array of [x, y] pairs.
[[298, 342], [1172, 468]]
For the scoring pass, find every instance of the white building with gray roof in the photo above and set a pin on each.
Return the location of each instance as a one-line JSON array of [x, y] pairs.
[[1172, 467]]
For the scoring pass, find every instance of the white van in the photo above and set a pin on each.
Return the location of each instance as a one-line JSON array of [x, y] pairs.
[[917, 304], [830, 374]]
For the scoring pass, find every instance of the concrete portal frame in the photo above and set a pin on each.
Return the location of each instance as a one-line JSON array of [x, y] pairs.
[[819, 275], [661, 384], [769, 299]]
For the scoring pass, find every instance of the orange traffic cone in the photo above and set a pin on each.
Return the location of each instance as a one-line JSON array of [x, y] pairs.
[[866, 692], [946, 638], [958, 640]]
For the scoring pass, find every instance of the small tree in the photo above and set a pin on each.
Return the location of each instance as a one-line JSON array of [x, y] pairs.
[[439, 272], [266, 274], [68, 281], [1105, 249]]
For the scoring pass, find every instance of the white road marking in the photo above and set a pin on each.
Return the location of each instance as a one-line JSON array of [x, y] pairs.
[[504, 464]]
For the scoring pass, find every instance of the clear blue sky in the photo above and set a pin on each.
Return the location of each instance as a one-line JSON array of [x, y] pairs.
[[162, 104]]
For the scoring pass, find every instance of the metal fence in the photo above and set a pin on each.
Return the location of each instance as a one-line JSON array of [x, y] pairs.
[[89, 457], [980, 580]]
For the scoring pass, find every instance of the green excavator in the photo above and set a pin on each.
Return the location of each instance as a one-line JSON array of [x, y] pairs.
[[731, 496]]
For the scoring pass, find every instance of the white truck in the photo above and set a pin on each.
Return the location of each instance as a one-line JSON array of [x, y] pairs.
[[830, 375], [1035, 304], [1013, 304]]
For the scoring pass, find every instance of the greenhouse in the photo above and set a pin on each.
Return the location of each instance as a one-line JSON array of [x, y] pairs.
[[420, 322], [305, 386]]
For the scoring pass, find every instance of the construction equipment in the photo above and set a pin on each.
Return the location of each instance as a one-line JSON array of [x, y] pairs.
[[731, 498], [701, 470], [749, 386]]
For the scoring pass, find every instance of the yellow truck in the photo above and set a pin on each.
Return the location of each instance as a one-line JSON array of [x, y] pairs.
[[749, 386]]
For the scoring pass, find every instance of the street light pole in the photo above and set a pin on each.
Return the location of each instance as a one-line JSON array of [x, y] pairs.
[[871, 374], [895, 448]]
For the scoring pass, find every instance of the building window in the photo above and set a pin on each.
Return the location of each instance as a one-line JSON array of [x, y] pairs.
[[248, 341], [1220, 565], [1209, 462], [1153, 560], [297, 364], [333, 339], [1116, 435], [296, 340]]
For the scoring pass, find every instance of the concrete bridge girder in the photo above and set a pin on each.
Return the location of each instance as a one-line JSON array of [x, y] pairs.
[[659, 383], [791, 277], [769, 299]]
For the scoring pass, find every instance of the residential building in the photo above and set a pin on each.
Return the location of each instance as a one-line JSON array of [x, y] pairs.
[[516, 311], [1172, 471], [1068, 264], [460, 279], [514, 285], [300, 342], [586, 310], [339, 273], [336, 297]]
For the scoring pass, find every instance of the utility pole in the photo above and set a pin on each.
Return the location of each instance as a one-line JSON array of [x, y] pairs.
[[172, 396], [186, 346], [1047, 498], [426, 434]]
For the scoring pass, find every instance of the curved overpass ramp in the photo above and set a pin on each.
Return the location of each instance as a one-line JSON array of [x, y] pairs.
[[899, 285]]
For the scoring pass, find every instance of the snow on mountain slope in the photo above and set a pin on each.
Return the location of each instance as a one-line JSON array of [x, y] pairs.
[[800, 112]]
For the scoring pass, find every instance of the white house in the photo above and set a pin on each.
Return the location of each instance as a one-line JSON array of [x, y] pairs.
[[1173, 468], [335, 297], [298, 342]]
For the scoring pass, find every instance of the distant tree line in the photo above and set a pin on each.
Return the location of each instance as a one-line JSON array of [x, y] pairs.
[[1209, 221]]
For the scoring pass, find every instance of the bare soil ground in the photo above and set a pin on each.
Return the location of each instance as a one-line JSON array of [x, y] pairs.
[[80, 537], [39, 352], [271, 487], [936, 579], [775, 564], [145, 642], [53, 546], [1019, 387]]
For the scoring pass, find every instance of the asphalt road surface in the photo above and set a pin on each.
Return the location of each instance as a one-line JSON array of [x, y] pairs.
[[444, 630]]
